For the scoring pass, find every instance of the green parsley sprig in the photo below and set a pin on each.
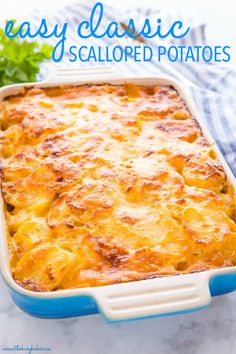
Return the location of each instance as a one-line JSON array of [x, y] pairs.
[[19, 60]]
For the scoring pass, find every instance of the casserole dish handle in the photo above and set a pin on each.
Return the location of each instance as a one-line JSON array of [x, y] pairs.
[[154, 297], [73, 75]]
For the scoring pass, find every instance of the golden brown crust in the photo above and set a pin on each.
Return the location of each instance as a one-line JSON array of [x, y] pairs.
[[105, 184]]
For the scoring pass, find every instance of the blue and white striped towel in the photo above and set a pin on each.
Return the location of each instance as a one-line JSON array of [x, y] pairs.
[[213, 85]]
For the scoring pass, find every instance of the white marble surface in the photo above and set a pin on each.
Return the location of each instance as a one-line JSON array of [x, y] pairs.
[[210, 331]]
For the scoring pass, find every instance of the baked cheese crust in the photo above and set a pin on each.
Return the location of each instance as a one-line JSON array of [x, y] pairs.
[[105, 184]]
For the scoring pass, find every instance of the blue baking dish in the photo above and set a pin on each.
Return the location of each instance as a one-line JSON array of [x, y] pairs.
[[133, 300], [154, 300]]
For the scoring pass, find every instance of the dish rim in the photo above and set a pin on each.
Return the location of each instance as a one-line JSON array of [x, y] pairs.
[[109, 78]]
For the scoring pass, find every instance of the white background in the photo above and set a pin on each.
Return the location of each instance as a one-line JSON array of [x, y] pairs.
[[220, 15]]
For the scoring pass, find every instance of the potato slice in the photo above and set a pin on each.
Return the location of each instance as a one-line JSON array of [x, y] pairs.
[[32, 231], [43, 268]]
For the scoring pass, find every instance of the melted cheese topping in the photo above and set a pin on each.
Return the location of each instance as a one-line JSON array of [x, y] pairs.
[[106, 184]]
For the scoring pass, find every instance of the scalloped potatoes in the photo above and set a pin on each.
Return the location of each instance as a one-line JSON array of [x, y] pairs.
[[105, 184]]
